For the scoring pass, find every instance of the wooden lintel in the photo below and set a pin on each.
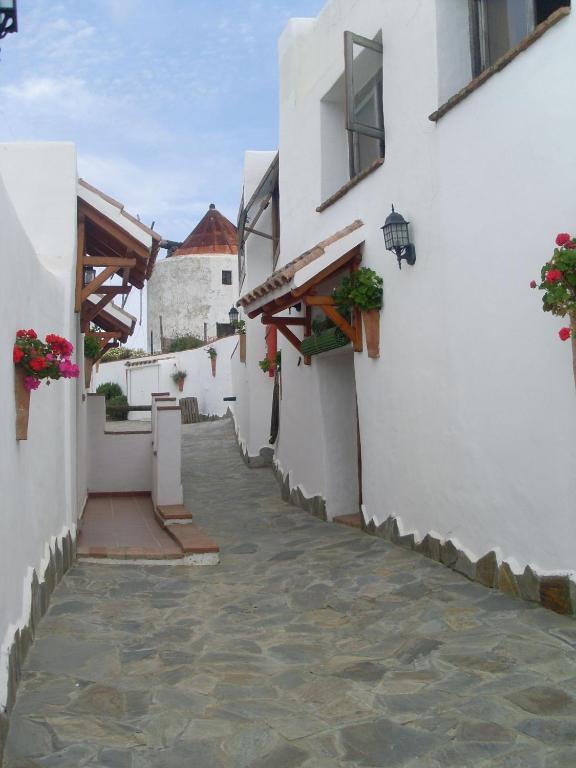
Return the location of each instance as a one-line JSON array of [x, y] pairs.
[[278, 321], [291, 337], [93, 285], [113, 230], [80, 254], [114, 290], [319, 301], [338, 320], [108, 261]]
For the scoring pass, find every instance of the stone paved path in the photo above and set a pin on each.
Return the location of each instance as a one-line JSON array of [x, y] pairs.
[[311, 645]]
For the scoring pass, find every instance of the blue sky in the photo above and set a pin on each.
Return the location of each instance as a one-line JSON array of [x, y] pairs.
[[161, 98]]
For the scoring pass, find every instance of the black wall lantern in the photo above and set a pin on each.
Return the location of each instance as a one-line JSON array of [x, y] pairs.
[[397, 238], [8, 21], [233, 315], [89, 275]]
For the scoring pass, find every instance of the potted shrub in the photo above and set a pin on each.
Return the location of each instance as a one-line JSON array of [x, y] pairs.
[[363, 290], [558, 281], [35, 360], [212, 354], [178, 377], [241, 331], [266, 365], [91, 350]]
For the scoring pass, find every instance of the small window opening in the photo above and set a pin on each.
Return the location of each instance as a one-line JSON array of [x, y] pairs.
[[226, 277]]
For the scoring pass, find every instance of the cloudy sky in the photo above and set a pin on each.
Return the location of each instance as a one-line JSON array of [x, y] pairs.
[[161, 98]]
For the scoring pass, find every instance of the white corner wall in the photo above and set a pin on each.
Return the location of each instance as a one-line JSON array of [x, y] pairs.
[[38, 476]]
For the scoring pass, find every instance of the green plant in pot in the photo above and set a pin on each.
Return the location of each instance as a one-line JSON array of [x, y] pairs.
[[91, 351], [266, 364], [212, 354], [325, 335], [240, 326], [179, 377], [363, 290]]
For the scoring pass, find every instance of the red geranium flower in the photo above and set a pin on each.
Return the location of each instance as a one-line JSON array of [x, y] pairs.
[[31, 334], [533, 284], [17, 354], [38, 364], [553, 275], [564, 333], [562, 239], [20, 334]]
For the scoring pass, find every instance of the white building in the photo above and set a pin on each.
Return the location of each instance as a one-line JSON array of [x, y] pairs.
[[193, 289], [60, 240], [457, 114]]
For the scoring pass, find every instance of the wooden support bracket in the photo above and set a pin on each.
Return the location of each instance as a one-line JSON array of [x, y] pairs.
[[93, 285]]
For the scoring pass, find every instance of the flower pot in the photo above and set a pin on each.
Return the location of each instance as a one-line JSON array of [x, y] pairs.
[[573, 337], [213, 364], [242, 347], [88, 363], [332, 338], [22, 396], [371, 319], [181, 385]]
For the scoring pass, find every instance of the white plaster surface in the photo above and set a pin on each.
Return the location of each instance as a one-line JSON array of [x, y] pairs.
[[40, 485], [210, 390], [116, 462], [467, 419]]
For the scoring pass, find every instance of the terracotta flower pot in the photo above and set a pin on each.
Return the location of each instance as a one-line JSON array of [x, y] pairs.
[[371, 319], [213, 364], [242, 347], [22, 403], [88, 364], [181, 385]]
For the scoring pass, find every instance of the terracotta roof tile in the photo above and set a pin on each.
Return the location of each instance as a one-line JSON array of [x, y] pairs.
[[214, 234]]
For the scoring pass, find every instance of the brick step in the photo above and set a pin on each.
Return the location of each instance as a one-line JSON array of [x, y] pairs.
[[352, 521], [192, 540], [174, 513]]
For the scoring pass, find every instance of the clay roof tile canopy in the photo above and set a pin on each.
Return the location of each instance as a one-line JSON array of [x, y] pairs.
[[214, 234]]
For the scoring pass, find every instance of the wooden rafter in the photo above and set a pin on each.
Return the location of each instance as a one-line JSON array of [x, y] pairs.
[[291, 337], [272, 320]]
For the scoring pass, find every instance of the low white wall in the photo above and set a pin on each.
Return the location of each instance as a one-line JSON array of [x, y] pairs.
[[209, 390], [38, 477], [116, 462]]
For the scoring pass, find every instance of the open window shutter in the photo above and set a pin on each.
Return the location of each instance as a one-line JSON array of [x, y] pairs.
[[363, 73]]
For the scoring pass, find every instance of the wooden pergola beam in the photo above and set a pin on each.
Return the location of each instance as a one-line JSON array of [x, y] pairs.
[[80, 255], [291, 337], [109, 261], [93, 285], [278, 321]]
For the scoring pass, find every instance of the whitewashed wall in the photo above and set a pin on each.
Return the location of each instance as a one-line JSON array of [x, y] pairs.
[[187, 291], [40, 496], [468, 417], [253, 388], [199, 383]]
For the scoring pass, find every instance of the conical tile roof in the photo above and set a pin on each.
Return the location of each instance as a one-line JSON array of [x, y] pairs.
[[214, 234]]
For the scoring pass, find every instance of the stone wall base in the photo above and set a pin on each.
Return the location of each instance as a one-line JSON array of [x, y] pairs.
[[264, 458], [558, 593], [61, 559], [316, 505]]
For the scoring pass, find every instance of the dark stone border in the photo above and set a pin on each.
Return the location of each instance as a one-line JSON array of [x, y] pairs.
[[61, 559], [316, 505], [557, 593], [264, 459]]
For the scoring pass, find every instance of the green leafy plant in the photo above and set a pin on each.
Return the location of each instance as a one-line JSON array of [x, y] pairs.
[[91, 346], [211, 352], [122, 353], [265, 364], [362, 289], [240, 326], [179, 376], [184, 342], [110, 390], [117, 408], [558, 281]]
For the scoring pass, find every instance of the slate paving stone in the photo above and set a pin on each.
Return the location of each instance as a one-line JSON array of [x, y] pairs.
[[310, 646]]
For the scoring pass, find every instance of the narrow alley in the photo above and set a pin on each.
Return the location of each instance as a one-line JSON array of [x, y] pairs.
[[310, 645]]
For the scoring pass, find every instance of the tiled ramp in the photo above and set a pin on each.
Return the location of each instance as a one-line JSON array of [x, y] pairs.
[[125, 527]]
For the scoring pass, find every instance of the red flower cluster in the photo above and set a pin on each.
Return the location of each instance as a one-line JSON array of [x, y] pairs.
[[562, 239], [533, 284], [564, 333], [59, 345], [49, 359], [553, 276]]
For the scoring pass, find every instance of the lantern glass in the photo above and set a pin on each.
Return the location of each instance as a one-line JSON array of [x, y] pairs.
[[6, 6], [89, 275]]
